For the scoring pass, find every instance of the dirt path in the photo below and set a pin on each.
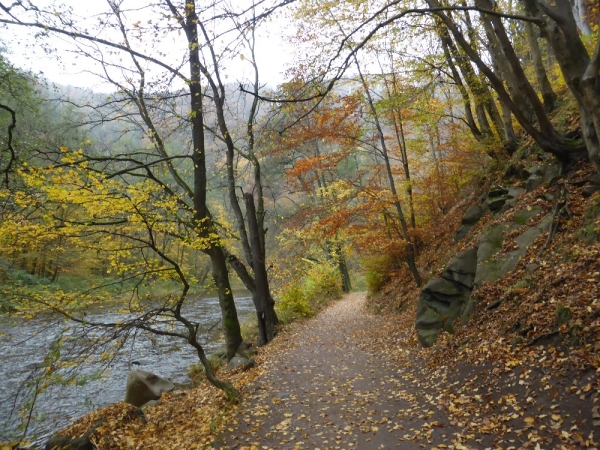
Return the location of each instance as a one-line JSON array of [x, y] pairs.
[[328, 390]]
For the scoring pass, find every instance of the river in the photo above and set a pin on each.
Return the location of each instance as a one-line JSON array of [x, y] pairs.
[[26, 342]]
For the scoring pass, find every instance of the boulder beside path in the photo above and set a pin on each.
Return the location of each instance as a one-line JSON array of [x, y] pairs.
[[143, 386]]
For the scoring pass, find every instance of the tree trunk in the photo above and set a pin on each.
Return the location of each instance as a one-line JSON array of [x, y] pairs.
[[265, 311], [335, 253], [488, 102], [547, 137], [410, 249], [527, 99], [502, 69], [484, 103], [511, 141], [469, 118], [231, 324], [580, 14], [581, 73], [233, 395], [192, 337], [398, 123], [590, 88], [343, 267], [202, 218], [546, 90], [399, 129]]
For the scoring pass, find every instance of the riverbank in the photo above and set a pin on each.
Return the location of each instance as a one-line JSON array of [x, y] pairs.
[[348, 378], [95, 381]]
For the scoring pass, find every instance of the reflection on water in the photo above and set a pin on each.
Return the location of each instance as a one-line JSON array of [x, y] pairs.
[[25, 343]]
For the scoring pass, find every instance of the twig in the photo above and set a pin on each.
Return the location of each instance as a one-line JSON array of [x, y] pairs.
[[218, 322]]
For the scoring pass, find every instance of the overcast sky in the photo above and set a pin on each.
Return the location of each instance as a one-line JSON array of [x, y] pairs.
[[273, 52]]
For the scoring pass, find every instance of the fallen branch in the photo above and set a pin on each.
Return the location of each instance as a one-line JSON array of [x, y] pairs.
[[540, 338], [495, 304], [543, 289]]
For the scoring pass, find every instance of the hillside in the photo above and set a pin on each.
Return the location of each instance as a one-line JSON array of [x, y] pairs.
[[525, 366]]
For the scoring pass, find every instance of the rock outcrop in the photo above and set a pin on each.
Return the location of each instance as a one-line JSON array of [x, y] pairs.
[[469, 220], [446, 299], [443, 299], [491, 268]]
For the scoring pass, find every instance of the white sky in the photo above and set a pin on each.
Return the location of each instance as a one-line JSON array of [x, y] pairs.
[[273, 52]]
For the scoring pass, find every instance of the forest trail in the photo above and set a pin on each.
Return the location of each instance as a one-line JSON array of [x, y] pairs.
[[333, 387]]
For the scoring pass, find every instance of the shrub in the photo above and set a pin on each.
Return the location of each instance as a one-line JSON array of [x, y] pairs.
[[23, 278], [249, 329], [299, 299], [322, 284], [377, 270], [293, 304]]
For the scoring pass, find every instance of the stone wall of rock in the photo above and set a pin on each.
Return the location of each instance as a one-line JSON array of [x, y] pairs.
[[442, 300], [446, 299]]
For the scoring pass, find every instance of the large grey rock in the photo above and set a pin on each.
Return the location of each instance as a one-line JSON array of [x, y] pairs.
[[524, 215], [462, 232], [495, 204], [240, 361], [590, 190], [536, 169], [442, 288], [462, 269], [442, 300], [545, 171], [515, 192], [144, 386], [492, 270], [497, 191], [472, 215], [551, 172], [490, 243], [594, 179], [500, 199], [533, 182]]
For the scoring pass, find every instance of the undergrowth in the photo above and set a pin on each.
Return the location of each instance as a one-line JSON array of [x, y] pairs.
[[304, 297]]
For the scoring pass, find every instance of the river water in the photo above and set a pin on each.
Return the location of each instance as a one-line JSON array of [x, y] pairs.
[[25, 343]]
